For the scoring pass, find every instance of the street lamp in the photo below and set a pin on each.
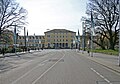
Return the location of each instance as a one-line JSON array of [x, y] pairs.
[[83, 35], [119, 35], [92, 31]]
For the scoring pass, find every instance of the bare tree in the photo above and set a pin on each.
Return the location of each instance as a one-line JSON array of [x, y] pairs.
[[11, 14], [106, 19]]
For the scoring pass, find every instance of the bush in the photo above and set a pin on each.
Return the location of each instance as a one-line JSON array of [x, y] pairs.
[[11, 50]]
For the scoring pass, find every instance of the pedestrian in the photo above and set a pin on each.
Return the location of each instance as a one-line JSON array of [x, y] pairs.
[[88, 52], [29, 50], [3, 51]]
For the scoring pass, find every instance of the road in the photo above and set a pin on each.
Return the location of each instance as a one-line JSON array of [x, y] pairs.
[[58, 67]]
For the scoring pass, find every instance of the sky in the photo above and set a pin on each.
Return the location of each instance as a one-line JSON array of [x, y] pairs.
[[44, 15]]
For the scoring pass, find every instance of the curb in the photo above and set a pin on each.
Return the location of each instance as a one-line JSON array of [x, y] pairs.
[[12, 55], [107, 66]]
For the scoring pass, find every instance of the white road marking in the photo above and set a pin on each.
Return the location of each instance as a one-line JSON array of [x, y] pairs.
[[41, 64], [101, 75], [47, 70]]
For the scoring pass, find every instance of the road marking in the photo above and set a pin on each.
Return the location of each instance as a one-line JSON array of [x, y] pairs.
[[101, 76], [47, 70], [41, 64]]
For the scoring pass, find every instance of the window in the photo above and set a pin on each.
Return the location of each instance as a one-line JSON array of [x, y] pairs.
[[48, 35], [48, 40], [66, 44]]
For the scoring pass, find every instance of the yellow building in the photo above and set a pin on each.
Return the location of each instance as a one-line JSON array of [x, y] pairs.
[[59, 38]]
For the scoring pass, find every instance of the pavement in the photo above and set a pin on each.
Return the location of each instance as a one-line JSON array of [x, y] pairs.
[[14, 54], [109, 61], [60, 66], [11, 54]]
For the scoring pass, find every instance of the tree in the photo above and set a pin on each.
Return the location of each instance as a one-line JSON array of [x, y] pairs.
[[106, 19], [11, 14]]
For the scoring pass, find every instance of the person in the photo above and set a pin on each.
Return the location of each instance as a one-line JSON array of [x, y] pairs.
[[88, 52], [3, 51], [29, 50], [0, 51]]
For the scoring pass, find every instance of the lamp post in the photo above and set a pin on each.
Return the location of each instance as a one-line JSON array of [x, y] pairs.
[[83, 35], [119, 35], [92, 31]]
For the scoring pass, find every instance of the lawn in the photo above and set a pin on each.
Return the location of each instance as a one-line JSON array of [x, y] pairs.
[[110, 52]]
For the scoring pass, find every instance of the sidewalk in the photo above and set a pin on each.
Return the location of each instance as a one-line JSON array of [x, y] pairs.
[[109, 61], [20, 53], [11, 54]]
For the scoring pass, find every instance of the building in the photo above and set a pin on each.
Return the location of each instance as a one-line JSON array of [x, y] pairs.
[[59, 38], [32, 41]]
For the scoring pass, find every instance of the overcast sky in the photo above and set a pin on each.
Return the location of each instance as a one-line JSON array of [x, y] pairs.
[[53, 14]]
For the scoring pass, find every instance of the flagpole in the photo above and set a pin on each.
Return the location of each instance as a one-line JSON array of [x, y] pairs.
[[27, 40], [15, 39], [25, 37], [34, 41], [78, 40]]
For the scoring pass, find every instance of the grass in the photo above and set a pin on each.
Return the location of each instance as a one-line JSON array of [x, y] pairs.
[[109, 52]]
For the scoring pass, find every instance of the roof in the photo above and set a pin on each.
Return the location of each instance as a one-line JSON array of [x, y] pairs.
[[59, 30]]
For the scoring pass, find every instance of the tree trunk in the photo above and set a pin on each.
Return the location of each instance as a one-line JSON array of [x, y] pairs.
[[111, 46]]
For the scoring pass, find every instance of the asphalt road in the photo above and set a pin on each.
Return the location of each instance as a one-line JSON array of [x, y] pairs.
[[57, 67]]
